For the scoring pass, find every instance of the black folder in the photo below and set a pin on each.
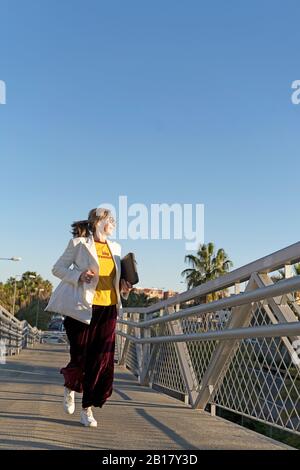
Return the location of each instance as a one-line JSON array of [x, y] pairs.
[[129, 269]]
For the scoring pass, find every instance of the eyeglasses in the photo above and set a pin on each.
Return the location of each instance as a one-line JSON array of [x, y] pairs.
[[112, 221]]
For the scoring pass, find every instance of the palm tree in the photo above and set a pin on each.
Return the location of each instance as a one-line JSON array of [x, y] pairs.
[[206, 265], [28, 288]]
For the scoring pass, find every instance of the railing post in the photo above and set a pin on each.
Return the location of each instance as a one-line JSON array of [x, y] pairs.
[[288, 271], [146, 350], [120, 340], [148, 372], [126, 343], [237, 288]]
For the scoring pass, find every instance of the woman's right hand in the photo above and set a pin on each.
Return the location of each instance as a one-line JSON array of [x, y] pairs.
[[87, 276]]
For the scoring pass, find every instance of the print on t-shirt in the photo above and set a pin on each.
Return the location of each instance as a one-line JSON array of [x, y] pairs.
[[105, 293]]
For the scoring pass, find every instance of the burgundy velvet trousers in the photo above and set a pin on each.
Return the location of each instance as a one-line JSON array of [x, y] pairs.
[[92, 348]]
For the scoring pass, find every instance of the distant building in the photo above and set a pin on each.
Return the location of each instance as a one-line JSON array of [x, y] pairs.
[[152, 292]]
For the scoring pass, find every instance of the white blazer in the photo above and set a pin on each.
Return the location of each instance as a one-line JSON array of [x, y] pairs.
[[73, 298]]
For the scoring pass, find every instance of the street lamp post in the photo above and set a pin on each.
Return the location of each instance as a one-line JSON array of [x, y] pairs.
[[38, 307], [15, 292]]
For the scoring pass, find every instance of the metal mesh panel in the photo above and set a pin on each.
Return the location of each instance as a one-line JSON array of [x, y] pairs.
[[131, 356], [201, 352], [168, 374], [131, 359], [261, 381], [167, 371]]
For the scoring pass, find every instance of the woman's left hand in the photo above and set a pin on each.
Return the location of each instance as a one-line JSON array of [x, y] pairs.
[[125, 286]]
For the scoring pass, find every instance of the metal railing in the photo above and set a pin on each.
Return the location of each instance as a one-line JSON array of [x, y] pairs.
[[15, 334], [54, 336], [239, 353]]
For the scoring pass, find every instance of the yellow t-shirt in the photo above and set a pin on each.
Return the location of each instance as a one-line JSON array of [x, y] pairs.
[[105, 293]]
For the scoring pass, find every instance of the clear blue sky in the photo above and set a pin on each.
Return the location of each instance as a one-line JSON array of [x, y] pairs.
[[162, 101]]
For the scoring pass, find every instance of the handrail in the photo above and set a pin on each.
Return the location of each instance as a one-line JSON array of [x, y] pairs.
[[275, 290], [266, 331], [240, 353], [266, 264], [16, 334]]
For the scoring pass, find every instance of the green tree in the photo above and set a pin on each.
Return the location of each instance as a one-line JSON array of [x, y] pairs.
[[32, 294], [138, 300], [207, 264]]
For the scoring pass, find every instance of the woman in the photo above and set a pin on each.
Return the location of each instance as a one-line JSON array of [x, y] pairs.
[[89, 295]]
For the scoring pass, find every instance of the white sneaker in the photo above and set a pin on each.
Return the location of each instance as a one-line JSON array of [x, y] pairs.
[[69, 401], [87, 418]]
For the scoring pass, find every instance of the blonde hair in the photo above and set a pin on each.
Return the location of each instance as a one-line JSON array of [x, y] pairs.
[[87, 227]]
